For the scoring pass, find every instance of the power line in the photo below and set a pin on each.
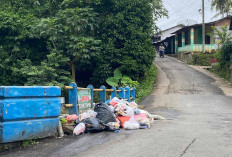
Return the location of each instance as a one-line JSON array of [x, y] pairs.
[[182, 10]]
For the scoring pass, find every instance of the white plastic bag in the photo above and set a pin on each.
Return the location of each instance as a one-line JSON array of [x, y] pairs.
[[87, 114], [113, 125], [132, 124], [122, 102], [115, 99], [124, 110], [79, 129], [128, 112], [133, 105], [112, 108]]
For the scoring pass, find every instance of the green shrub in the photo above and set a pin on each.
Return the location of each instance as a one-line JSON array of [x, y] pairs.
[[202, 59], [146, 83], [226, 51], [221, 70]]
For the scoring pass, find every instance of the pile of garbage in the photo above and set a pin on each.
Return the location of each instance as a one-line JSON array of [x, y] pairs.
[[111, 116]]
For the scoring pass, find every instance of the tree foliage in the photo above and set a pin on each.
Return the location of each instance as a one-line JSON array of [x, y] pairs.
[[223, 33], [125, 30], [223, 7], [51, 42]]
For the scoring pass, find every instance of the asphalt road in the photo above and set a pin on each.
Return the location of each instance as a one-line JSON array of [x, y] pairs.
[[198, 110]]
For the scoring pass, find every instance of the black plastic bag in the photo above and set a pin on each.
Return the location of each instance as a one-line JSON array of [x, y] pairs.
[[93, 125], [104, 113]]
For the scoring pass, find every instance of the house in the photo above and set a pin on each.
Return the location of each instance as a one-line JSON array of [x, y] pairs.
[[189, 38], [166, 38]]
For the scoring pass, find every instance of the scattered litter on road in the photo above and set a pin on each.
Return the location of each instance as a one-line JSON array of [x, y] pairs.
[[111, 116], [79, 129]]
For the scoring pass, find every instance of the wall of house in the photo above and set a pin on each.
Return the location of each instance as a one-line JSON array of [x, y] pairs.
[[222, 22]]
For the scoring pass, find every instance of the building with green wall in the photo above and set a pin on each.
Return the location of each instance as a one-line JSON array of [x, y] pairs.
[[189, 38]]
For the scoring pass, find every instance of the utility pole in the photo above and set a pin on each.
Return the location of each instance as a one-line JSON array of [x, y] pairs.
[[203, 26]]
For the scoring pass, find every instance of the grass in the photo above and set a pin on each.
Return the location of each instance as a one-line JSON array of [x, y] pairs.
[[28, 143], [222, 71], [146, 83]]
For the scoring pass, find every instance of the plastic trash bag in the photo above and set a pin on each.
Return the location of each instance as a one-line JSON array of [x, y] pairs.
[[79, 129], [114, 101], [124, 110], [104, 113], [128, 112], [132, 124], [122, 120], [87, 114], [93, 125], [71, 118], [112, 108], [137, 111], [143, 125], [113, 125], [122, 102], [133, 105], [142, 119]]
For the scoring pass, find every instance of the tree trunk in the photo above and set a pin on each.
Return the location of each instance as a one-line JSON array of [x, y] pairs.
[[73, 71]]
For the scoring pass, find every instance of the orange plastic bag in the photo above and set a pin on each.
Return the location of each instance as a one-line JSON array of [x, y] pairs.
[[123, 119]]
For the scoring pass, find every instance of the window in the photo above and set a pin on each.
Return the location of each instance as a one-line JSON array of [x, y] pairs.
[[207, 39]]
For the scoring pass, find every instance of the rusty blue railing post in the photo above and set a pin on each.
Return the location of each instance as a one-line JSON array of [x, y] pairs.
[[103, 94], [127, 93], [73, 99], [113, 93], [91, 88], [121, 94], [132, 93]]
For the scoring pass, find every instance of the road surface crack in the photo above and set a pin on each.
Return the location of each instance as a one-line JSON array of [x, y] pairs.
[[188, 147]]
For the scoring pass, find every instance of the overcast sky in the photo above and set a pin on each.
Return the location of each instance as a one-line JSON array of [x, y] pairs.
[[179, 10]]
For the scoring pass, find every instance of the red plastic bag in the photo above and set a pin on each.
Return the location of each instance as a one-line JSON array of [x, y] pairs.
[[113, 103], [141, 116], [72, 117], [123, 119]]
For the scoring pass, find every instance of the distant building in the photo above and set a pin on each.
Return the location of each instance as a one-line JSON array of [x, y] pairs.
[[189, 38], [167, 38]]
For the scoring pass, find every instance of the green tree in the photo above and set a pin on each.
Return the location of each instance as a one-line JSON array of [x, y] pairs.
[[222, 33], [49, 72], [223, 7], [71, 34], [125, 28], [17, 45]]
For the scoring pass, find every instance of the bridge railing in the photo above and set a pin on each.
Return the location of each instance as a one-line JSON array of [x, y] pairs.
[[126, 93]]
